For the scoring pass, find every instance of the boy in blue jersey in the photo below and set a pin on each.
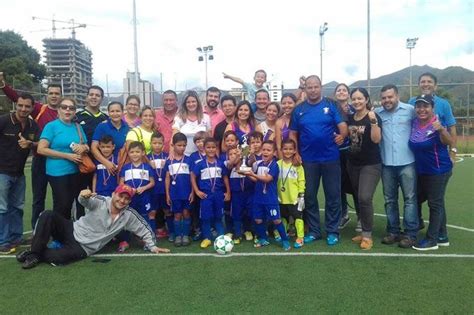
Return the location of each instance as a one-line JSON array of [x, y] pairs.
[[179, 194], [230, 140], [266, 205], [209, 178], [139, 176], [242, 190], [255, 140], [157, 159], [104, 183]]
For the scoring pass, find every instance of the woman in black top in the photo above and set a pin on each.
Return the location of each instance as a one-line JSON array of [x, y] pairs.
[[364, 161]]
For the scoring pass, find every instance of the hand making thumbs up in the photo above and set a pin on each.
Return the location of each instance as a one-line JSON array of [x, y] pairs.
[[24, 143]]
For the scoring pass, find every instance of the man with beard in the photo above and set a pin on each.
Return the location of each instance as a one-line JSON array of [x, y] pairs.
[[164, 117], [211, 108], [42, 114], [18, 134]]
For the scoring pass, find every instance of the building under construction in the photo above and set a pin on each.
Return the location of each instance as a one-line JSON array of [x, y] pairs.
[[69, 63]]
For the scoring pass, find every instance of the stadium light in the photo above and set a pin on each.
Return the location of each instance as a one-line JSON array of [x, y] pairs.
[[411, 43], [205, 55]]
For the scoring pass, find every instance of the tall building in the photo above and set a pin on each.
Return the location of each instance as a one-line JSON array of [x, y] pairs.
[[145, 89], [275, 88], [69, 63]]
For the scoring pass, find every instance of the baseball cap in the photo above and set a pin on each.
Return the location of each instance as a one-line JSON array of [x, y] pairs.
[[425, 98], [125, 189]]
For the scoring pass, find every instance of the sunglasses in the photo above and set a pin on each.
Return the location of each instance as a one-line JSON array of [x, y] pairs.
[[67, 107]]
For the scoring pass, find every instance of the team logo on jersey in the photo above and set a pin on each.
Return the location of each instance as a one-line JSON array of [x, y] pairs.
[[326, 110]]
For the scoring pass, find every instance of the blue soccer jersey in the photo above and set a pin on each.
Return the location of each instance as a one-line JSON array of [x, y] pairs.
[[158, 162], [180, 179], [209, 175], [105, 182], [136, 176], [195, 157], [266, 193], [239, 182]]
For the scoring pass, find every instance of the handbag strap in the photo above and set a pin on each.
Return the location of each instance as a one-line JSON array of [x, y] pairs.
[[81, 140]]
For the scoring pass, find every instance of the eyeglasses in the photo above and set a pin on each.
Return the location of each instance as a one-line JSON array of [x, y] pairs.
[[67, 107]]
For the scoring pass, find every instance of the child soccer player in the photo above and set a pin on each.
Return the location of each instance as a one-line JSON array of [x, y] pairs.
[[138, 175], [255, 140], [103, 183], [230, 140], [266, 196], [179, 194], [242, 190], [198, 140], [209, 179], [157, 159], [259, 78], [291, 187]]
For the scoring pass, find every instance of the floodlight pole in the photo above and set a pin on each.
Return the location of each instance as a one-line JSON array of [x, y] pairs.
[[411, 42], [205, 54], [322, 29]]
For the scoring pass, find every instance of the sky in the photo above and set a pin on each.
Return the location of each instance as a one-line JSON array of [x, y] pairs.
[[281, 37]]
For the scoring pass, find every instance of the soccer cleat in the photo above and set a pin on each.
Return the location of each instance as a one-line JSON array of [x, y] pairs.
[[197, 236], [391, 239], [443, 241], [237, 240], [178, 241], [366, 243], [161, 233], [248, 235], [299, 242], [406, 242], [123, 246], [309, 239], [22, 256], [186, 241], [357, 239], [358, 226], [7, 250], [206, 243], [286, 245], [344, 222], [332, 239], [426, 244], [30, 262], [261, 243]]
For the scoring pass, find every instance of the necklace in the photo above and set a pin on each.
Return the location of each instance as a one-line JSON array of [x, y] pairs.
[[212, 179], [286, 177], [160, 158], [265, 184], [142, 175], [177, 172], [106, 179]]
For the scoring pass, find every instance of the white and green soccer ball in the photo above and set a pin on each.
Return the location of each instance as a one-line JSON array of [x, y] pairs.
[[223, 245]]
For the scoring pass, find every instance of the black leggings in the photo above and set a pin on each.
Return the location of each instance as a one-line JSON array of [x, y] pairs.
[[65, 189]]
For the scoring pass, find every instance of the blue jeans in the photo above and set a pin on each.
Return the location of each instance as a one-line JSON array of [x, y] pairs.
[[432, 188], [330, 172], [404, 177], [12, 201]]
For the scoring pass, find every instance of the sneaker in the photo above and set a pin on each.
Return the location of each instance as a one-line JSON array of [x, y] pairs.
[[171, 238], [186, 241], [299, 242], [123, 246], [237, 240], [206, 243], [357, 239], [443, 241], [406, 242], [426, 244], [261, 243], [344, 222], [161, 233], [197, 236], [391, 239], [286, 245], [21, 256], [55, 244], [366, 243], [30, 262], [310, 238], [358, 227], [248, 235], [332, 239], [178, 241], [7, 250]]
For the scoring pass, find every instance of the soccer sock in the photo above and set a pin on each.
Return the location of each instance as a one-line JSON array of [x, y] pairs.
[[152, 223], [238, 228], [206, 228], [219, 226], [177, 228], [299, 224], [285, 223], [186, 226], [260, 229], [281, 228], [170, 224]]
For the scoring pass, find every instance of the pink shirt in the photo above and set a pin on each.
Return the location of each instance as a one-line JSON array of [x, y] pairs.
[[164, 125], [216, 117]]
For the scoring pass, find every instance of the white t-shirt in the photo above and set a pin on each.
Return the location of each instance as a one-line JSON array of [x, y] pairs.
[[189, 128]]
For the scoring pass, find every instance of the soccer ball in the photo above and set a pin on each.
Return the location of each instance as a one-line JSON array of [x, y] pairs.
[[223, 244]]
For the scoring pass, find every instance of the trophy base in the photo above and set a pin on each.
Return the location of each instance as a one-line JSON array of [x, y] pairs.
[[245, 169]]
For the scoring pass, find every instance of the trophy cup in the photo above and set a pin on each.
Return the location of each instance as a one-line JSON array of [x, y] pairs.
[[244, 168]]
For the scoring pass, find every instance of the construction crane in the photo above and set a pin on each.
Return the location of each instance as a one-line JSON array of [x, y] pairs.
[[71, 22]]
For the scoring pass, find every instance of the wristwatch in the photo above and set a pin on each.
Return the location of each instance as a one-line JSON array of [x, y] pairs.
[[454, 150]]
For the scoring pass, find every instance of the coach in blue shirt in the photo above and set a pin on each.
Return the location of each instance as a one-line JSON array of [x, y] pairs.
[[398, 167], [318, 128]]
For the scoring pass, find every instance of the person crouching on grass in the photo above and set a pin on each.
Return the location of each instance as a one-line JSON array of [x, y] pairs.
[[106, 217], [266, 196], [209, 178]]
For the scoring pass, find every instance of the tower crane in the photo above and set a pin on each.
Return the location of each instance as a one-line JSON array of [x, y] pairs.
[[71, 22]]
